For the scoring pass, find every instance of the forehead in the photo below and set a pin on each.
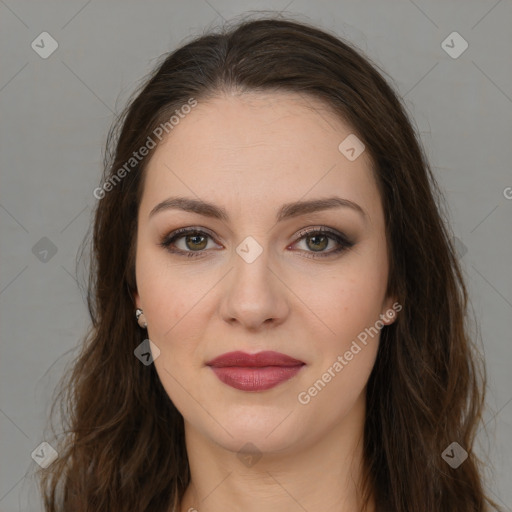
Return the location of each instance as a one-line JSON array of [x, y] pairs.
[[241, 121], [258, 145]]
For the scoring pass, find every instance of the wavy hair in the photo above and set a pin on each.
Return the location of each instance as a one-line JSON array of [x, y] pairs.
[[122, 446]]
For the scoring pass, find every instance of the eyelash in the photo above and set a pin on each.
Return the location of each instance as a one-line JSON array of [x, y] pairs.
[[343, 242]]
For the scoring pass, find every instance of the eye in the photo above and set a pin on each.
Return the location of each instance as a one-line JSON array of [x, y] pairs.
[[196, 241], [193, 238], [320, 238]]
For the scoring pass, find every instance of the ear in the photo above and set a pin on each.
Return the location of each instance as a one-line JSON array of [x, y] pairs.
[[390, 309]]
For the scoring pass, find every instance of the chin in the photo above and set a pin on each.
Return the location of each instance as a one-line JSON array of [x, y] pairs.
[[271, 433], [248, 440]]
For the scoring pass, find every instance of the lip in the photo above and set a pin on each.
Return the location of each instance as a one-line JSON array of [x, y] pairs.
[[259, 360], [254, 372]]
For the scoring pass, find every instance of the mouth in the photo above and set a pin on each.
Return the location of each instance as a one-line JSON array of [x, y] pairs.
[[254, 372]]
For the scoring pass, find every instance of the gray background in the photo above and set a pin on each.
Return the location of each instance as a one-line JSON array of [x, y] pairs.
[[56, 112]]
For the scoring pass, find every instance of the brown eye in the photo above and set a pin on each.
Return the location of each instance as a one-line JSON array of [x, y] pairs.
[[196, 242], [317, 240]]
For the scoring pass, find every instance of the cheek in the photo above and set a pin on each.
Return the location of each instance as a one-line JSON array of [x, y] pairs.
[[165, 294], [173, 298], [352, 300], [344, 363], [351, 308]]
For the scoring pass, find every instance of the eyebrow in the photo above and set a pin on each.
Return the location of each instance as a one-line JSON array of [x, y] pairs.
[[287, 211]]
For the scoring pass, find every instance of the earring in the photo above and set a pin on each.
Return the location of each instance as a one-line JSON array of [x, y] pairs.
[[140, 318]]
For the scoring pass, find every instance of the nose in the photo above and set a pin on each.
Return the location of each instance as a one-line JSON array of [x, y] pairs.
[[254, 296]]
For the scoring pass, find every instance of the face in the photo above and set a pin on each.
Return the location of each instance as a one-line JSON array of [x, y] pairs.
[[308, 283]]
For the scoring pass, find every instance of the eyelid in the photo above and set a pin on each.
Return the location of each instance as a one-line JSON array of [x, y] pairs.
[[183, 232], [343, 241], [323, 230]]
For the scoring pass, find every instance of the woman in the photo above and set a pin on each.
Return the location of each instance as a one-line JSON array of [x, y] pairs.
[[278, 313]]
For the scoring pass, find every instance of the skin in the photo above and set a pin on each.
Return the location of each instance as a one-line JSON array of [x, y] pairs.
[[250, 154]]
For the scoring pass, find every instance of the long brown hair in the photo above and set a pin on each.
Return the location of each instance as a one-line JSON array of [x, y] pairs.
[[122, 447]]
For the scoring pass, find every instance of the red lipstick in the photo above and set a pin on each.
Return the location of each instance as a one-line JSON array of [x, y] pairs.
[[254, 372]]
